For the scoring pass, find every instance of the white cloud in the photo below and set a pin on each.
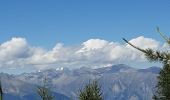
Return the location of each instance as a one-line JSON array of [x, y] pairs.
[[91, 53], [145, 43], [93, 44], [15, 48]]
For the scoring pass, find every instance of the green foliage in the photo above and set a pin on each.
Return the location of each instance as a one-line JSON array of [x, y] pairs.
[[163, 85], [157, 56], [44, 92], [92, 91], [1, 92]]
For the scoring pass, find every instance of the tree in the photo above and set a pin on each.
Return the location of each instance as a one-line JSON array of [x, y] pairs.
[[1, 92], [44, 92], [92, 91], [163, 85]]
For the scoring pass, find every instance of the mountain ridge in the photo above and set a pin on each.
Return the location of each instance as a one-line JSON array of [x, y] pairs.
[[118, 82]]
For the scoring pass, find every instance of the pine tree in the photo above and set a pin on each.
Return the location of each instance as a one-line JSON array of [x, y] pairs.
[[1, 92], [92, 91], [44, 92], [163, 85]]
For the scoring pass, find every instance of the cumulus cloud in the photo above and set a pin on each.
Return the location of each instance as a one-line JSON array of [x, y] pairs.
[[15, 48], [145, 42], [91, 53], [92, 45]]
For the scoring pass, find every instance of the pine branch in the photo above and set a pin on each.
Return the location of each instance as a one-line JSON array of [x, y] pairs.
[[163, 85], [44, 92], [152, 55], [163, 36], [142, 50], [92, 91]]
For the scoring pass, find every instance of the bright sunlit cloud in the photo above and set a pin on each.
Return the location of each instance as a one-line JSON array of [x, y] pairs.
[[93, 53]]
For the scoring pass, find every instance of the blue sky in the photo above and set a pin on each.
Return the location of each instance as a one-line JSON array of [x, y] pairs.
[[44, 23]]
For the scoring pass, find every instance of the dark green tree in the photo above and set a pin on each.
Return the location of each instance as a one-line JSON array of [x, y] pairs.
[[1, 92], [44, 92], [163, 85], [91, 91]]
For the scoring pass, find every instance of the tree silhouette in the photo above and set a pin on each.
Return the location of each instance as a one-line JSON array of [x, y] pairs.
[[92, 91], [44, 92]]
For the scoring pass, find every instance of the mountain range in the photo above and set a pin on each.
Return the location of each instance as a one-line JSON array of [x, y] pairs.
[[118, 82]]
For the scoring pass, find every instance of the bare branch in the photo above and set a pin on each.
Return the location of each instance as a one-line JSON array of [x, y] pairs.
[[134, 46], [163, 36]]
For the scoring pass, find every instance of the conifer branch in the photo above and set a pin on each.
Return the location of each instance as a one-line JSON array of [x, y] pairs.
[[91, 91], [152, 55], [142, 50], [166, 38]]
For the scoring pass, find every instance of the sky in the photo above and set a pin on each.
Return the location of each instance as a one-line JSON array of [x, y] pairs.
[[38, 34]]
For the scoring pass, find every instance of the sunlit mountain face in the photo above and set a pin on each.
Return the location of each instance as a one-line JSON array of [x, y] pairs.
[[118, 82]]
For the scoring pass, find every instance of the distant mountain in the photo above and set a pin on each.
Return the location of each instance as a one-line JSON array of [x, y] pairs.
[[151, 69], [115, 69], [33, 96], [119, 82]]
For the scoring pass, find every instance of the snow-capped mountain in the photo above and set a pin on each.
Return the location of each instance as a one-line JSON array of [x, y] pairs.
[[118, 82]]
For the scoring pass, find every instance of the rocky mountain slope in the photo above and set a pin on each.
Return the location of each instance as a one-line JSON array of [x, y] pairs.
[[118, 82]]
